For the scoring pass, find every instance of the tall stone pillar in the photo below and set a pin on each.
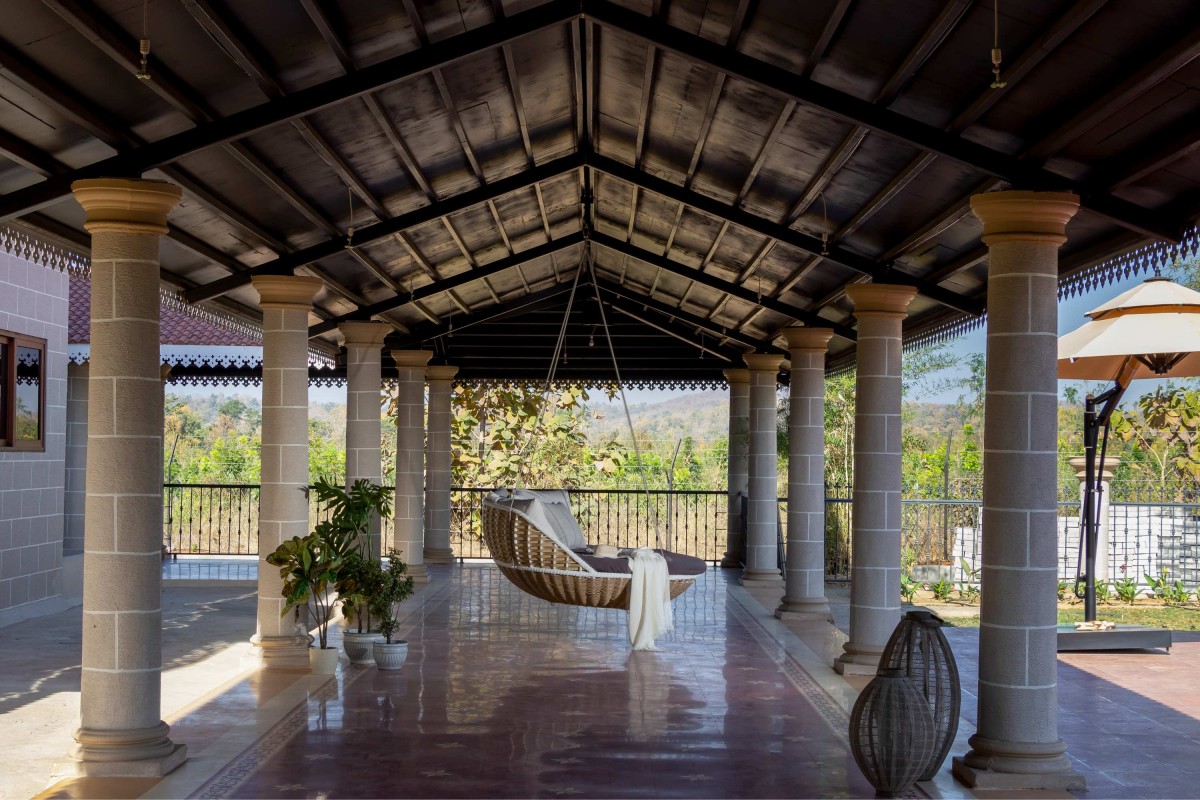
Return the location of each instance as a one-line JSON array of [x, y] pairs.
[[804, 595], [286, 301], [762, 510], [437, 492], [1016, 744], [364, 343], [875, 530], [1103, 481], [739, 469], [121, 729], [409, 534]]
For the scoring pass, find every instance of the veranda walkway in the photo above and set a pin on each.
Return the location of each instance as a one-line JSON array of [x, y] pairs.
[[504, 695]]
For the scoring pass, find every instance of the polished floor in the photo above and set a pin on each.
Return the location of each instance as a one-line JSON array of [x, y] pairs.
[[504, 695]]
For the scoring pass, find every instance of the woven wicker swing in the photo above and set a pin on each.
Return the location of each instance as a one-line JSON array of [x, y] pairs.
[[538, 562]]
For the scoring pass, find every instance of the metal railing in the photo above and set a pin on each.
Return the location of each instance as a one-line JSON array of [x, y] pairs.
[[1149, 530]]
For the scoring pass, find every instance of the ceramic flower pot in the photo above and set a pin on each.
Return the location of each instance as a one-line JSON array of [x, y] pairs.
[[358, 646], [322, 662], [390, 656]]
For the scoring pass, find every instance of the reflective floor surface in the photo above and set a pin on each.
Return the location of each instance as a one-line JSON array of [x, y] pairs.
[[505, 695]]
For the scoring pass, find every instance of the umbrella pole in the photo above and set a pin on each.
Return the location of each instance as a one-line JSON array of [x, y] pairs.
[[1093, 421]]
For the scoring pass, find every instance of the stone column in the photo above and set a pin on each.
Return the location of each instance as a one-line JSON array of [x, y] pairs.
[[739, 478], [409, 535], [762, 510], [875, 529], [75, 492], [286, 301], [1016, 744], [121, 729], [364, 343], [1103, 478], [804, 595], [437, 492]]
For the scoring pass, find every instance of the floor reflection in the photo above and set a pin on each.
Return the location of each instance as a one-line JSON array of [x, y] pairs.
[[506, 695]]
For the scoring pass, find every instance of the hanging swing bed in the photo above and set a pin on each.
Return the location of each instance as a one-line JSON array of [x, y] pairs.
[[536, 541]]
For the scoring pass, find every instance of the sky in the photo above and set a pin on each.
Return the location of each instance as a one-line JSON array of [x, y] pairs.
[[1071, 313]]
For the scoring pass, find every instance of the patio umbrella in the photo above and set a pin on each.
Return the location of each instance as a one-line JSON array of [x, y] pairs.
[[1150, 331]]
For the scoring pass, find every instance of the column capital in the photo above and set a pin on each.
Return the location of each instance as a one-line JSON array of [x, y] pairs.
[[763, 362], [286, 291], [736, 376], [125, 205], [412, 359], [364, 334], [880, 299], [1079, 464], [810, 339], [1025, 216], [440, 372]]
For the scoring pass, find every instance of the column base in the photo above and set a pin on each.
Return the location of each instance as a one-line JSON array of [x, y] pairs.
[[280, 652], [760, 577], [142, 753], [811, 609], [1009, 766], [439, 555], [731, 562], [418, 573], [857, 661]]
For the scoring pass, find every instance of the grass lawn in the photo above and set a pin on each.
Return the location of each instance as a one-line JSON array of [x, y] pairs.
[[1176, 618]]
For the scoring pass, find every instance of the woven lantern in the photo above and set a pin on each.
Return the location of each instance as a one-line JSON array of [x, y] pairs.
[[891, 732], [919, 649]]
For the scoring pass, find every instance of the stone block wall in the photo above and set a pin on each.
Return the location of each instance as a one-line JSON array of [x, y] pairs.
[[33, 301]]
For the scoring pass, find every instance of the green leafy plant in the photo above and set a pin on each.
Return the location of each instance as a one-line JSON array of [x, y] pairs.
[[968, 587], [1127, 589], [350, 511], [359, 577], [394, 588], [309, 568], [1166, 591], [1102, 592], [1063, 588], [942, 590], [908, 588]]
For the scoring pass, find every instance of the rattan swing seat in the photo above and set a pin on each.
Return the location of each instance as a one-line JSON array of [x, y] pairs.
[[540, 565]]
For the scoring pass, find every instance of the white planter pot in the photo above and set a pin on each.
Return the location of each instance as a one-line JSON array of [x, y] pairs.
[[390, 656], [358, 646], [322, 662]]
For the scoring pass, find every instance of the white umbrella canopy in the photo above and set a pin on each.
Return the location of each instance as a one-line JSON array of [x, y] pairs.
[[1150, 331]]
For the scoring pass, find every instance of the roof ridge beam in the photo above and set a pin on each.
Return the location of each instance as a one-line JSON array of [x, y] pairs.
[[882, 120], [285, 264], [295, 105]]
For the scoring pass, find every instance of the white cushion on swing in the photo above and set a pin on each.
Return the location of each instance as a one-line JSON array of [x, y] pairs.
[[549, 509]]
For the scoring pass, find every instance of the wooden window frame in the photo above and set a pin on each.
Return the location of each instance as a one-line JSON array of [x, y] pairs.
[[8, 405]]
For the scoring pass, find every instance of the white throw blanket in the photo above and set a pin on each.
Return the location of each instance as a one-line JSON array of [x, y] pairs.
[[649, 598]]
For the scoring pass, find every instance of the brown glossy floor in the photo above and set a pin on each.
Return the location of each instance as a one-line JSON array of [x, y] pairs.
[[504, 695]]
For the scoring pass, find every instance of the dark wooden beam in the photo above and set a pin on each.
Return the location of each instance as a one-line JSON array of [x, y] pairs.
[[1164, 62], [774, 230], [636, 300], [521, 305], [712, 281], [452, 282], [1161, 150], [878, 119], [297, 104], [285, 264]]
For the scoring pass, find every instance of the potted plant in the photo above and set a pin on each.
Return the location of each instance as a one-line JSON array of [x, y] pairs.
[[358, 579], [347, 530], [309, 567], [394, 588]]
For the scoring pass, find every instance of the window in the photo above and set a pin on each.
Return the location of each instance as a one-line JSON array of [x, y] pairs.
[[22, 392]]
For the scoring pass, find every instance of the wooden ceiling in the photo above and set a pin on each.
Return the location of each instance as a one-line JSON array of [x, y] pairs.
[[730, 165]]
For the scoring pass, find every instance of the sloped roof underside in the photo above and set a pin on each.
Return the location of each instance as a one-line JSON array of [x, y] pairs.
[[731, 165]]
